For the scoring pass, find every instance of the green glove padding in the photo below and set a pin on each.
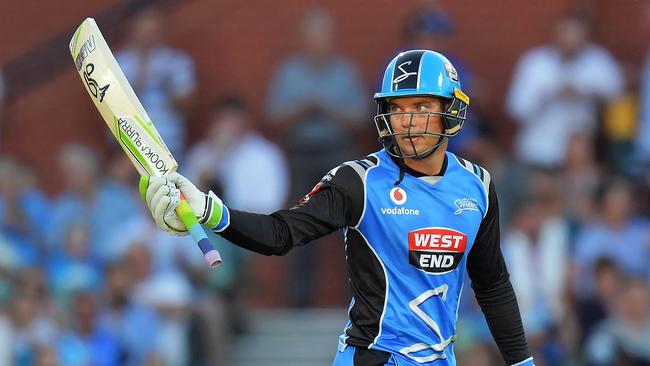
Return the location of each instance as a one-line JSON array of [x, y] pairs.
[[142, 186]]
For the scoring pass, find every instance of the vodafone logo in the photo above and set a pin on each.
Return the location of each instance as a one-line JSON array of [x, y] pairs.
[[398, 196], [436, 249]]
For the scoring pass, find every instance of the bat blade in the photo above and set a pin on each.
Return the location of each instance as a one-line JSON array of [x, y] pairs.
[[117, 103], [128, 121]]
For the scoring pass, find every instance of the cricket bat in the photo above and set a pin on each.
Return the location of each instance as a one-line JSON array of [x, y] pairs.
[[128, 121]]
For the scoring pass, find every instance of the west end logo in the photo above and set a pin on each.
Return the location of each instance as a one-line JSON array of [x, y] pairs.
[[465, 204], [436, 249], [398, 196]]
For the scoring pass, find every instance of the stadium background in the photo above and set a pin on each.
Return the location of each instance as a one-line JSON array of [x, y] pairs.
[[236, 46]]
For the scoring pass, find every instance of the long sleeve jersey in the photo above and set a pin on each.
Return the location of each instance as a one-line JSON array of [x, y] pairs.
[[408, 247]]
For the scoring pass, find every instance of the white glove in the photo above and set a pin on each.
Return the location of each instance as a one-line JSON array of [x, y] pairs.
[[163, 196]]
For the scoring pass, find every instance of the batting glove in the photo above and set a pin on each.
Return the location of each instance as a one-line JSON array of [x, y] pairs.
[[163, 194]]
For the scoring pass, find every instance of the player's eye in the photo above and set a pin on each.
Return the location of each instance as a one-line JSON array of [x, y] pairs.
[[393, 108], [423, 108]]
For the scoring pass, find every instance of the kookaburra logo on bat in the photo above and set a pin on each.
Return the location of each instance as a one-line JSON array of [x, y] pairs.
[[96, 90]]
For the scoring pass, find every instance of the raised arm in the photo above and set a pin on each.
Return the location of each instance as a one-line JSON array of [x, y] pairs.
[[334, 203]]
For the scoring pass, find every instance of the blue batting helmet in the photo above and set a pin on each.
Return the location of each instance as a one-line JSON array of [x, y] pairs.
[[421, 73]]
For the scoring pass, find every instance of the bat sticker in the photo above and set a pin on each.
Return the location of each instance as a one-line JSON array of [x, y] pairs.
[[94, 88]]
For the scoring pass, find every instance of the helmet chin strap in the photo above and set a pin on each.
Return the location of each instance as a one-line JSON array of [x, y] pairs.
[[441, 140], [402, 163]]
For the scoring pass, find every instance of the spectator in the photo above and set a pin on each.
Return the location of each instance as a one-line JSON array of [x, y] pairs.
[[85, 194], [581, 177], [536, 250], [316, 99], [216, 310], [238, 158], [72, 269], [624, 337], [32, 328], [23, 212], [169, 293], [162, 77], [131, 323], [616, 233], [600, 305], [539, 239], [505, 172], [620, 124], [556, 90], [120, 169], [429, 27], [84, 342]]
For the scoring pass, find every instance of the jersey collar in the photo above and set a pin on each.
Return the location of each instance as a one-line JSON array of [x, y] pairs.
[[418, 174]]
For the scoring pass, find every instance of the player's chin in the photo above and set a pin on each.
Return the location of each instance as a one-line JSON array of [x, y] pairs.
[[409, 150]]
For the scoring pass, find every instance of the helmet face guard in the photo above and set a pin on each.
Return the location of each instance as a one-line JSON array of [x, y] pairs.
[[420, 73], [453, 119]]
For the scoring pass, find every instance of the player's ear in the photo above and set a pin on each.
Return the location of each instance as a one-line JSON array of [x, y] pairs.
[[142, 186]]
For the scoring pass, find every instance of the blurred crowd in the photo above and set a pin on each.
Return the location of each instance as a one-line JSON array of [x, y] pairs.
[[77, 289]]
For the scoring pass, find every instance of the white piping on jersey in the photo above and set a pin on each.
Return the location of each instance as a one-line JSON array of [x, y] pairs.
[[383, 311], [523, 362], [360, 171], [345, 335], [460, 294], [485, 182], [365, 191]]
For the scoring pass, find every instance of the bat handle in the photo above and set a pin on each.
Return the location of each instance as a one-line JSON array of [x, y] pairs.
[[186, 214]]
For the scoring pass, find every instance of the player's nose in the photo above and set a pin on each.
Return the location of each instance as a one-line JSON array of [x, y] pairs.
[[407, 120], [415, 119]]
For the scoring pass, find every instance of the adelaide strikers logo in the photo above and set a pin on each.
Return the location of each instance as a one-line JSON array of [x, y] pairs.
[[398, 196]]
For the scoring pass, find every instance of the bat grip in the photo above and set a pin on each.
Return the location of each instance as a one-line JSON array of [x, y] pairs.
[[186, 214]]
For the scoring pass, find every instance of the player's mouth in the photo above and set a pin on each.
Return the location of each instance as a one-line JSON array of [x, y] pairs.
[[412, 138]]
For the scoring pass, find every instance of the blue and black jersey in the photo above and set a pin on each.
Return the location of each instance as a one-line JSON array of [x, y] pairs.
[[408, 247]]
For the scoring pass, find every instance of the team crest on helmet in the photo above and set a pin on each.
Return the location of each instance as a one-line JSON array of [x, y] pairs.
[[406, 69], [451, 71], [405, 73]]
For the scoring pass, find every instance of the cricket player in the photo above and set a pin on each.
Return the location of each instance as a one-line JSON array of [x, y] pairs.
[[415, 217]]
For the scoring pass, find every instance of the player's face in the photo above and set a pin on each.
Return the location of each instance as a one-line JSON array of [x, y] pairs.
[[412, 120]]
